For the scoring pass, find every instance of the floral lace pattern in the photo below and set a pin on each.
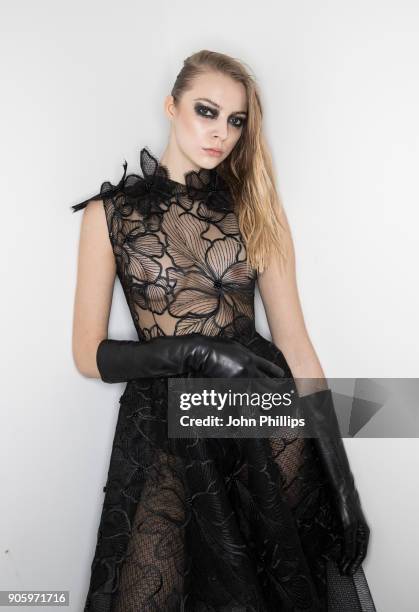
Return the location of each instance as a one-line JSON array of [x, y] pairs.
[[207, 525], [178, 249]]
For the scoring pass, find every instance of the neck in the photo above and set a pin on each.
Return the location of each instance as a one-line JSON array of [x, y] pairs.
[[176, 163]]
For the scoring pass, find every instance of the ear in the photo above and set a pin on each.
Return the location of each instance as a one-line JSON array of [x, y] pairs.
[[169, 107]]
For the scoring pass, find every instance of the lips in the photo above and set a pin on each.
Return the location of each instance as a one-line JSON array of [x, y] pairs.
[[212, 150]]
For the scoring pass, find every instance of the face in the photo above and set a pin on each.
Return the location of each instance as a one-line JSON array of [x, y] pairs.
[[210, 115]]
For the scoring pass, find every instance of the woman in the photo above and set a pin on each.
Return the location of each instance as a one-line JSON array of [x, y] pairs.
[[200, 526]]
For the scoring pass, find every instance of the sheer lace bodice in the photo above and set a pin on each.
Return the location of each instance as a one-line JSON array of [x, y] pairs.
[[179, 252]]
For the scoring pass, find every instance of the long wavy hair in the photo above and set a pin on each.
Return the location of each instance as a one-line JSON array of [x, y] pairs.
[[248, 169]]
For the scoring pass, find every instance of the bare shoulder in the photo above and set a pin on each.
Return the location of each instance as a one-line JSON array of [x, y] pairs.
[[94, 210], [94, 229]]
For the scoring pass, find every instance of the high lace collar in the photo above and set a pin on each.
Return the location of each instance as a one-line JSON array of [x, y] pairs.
[[146, 192], [153, 168], [205, 184]]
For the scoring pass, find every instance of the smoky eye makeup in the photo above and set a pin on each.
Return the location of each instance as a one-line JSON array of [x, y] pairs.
[[206, 111], [201, 109]]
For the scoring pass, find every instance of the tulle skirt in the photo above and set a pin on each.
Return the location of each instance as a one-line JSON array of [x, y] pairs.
[[216, 524]]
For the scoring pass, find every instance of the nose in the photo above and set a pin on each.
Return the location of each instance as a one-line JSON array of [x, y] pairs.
[[221, 129]]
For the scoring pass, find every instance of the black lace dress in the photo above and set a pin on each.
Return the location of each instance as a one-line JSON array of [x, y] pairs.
[[214, 524]]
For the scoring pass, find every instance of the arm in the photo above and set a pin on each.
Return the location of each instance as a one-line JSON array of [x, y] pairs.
[[96, 272], [279, 294]]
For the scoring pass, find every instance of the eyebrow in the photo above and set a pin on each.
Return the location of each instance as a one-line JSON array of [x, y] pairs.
[[218, 106]]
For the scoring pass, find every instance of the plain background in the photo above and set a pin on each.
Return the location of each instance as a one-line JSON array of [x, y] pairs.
[[82, 88]]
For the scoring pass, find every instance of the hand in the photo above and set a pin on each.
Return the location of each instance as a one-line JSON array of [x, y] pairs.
[[318, 409], [211, 356], [216, 357], [355, 534]]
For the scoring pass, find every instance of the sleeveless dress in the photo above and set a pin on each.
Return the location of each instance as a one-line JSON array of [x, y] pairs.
[[210, 524]]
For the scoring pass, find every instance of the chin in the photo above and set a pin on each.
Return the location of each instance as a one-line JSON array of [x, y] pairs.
[[209, 161]]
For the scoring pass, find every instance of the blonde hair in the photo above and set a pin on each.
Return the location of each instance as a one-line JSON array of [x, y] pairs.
[[248, 169]]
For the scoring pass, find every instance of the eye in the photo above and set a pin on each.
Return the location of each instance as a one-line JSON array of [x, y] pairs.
[[206, 111], [202, 110], [241, 121]]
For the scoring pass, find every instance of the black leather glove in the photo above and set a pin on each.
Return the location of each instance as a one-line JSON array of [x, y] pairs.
[[204, 356], [318, 410]]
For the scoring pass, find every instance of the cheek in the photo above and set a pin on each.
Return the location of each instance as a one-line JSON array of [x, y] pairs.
[[191, 125], [233, 139]]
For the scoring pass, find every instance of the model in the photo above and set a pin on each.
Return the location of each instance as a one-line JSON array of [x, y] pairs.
[[213, 524]]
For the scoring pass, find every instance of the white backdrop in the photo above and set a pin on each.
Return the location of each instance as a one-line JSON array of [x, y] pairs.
[[82, 90]]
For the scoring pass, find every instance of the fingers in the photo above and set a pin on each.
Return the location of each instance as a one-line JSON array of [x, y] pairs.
[[349, 548], [269, 368], [355, 549], [354, 565], [362, 547], [262, 366]]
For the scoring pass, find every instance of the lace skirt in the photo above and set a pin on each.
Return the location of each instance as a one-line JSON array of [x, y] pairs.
[[216, 524]]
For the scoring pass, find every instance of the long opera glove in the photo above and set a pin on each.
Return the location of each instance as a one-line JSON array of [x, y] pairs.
[[319, 410], [207, 356]]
